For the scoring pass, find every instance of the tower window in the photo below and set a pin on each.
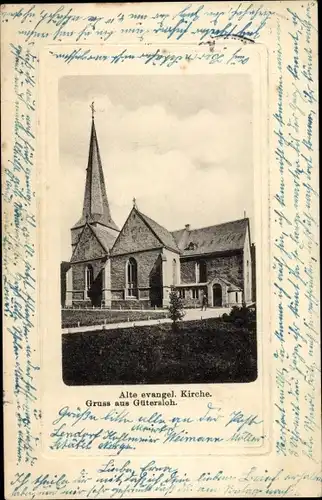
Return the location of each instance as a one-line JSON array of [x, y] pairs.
[[132, 278]]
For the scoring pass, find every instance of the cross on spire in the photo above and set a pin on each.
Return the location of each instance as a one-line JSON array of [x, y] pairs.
[[134, 202], [93, 110]]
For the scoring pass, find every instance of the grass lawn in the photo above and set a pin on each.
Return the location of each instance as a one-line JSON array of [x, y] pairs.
[[206, 351], [88, 317]]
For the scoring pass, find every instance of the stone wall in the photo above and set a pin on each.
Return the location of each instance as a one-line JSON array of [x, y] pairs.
[[227, 267], [188, 271], [78, 295], [88, 247], [149, 267], [79, 273], [135, 236], [149, 273], [150, 280]]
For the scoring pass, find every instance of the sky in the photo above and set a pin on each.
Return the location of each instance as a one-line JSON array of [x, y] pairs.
[[181, 145]]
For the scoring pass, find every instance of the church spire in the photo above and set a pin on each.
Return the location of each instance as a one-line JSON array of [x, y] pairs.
[[95, 206]]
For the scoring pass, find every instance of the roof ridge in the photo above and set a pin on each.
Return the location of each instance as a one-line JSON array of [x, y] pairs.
[[213, 225], [150, 218], [174, 243]]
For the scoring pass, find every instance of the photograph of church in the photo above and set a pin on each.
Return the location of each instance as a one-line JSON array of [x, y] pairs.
[[137, 265], [157, 263]]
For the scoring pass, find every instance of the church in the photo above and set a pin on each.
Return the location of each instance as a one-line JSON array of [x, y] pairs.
[[138, 265]]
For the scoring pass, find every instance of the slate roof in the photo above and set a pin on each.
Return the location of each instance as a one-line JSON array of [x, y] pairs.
[[161, 232], [95, 206], [219, 238], [234, 288], [106, 239]]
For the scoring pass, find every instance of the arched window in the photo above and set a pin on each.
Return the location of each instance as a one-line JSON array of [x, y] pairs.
[[201, 272], [132, 278], [89, 277], [174, 272]]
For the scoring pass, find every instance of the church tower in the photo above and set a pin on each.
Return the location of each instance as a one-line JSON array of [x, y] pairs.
[[96, 210], [92, 237]]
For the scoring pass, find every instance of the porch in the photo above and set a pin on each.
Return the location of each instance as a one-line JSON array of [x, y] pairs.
[[220, 294]]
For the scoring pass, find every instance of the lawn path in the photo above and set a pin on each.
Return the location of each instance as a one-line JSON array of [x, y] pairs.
[[191, 314]]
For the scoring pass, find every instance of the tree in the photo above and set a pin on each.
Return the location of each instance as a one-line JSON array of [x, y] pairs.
[[175, 308]]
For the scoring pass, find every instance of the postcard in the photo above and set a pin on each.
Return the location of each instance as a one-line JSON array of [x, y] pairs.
[[161, 250]]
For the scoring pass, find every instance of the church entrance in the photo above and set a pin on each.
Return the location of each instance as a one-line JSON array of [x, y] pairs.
[[217, 295]]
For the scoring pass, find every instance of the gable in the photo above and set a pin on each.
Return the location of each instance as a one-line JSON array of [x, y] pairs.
[[135, 236], [88, 246]]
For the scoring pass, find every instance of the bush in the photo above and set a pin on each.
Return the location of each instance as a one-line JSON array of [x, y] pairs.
[[241, 317], [175, 308]]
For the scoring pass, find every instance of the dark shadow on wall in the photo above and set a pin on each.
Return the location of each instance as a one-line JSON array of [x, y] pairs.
[[155, 283], [64, 267], [96, 292], [253, 255]]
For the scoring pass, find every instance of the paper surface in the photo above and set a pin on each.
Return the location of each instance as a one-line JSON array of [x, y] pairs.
[[203, 113]]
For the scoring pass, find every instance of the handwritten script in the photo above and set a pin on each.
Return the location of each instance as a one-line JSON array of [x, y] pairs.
[[120, 430], [117, 480], [19, 222], [296, 247]]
